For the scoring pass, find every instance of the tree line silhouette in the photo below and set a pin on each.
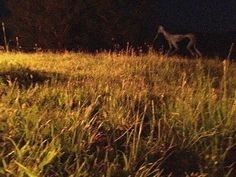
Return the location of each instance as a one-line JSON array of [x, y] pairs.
[[80, 24], [92, 25]]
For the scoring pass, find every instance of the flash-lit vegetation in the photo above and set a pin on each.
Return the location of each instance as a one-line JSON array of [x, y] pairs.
[[77, 114]]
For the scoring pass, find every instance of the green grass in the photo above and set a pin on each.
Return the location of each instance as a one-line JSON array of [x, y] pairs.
[[77, 114]]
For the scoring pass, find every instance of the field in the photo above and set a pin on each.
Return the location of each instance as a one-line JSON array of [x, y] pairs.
[[116, 115]]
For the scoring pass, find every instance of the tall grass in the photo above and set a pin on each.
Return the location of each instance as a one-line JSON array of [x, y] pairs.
[[111, 114]]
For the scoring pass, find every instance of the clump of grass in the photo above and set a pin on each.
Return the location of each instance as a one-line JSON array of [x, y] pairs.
[[77, 114]]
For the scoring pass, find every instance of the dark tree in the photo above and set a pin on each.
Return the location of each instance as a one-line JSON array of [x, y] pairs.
[[44, 22], [85, 24]]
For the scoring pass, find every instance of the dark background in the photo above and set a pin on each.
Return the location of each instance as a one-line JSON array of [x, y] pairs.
[[91, 25]]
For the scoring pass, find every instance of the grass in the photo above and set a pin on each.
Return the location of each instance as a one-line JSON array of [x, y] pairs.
[[110, 115]]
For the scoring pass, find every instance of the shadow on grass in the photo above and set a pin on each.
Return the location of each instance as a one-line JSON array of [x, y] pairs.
[[180, 162], [25, 77]]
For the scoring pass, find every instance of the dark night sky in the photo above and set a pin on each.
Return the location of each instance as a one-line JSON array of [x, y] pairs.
[[198, 15], [3, 10]]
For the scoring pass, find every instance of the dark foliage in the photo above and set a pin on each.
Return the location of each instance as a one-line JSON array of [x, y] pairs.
[[92, 25], [79, 24]]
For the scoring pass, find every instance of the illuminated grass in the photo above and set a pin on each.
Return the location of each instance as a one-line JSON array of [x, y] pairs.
[[77, 114]]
